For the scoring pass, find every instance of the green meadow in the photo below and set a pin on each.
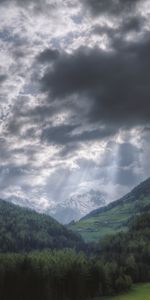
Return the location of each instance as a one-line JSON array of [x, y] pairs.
[[111, 221], [138, 292]]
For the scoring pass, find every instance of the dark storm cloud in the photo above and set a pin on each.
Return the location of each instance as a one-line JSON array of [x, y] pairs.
[[112, 7], [115, 83], [127, 154], [134, 23], [48, 55], [58, 134], [127, 25], [63, 134]]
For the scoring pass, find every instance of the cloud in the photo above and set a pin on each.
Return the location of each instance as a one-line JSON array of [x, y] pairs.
[[3, 77], [74, 98], [115, 83], [38, 3], [113, 7], [58, 134], [48, 55], [134, 23], [130, 25], [64, 134], [127, 154], [126, 177]]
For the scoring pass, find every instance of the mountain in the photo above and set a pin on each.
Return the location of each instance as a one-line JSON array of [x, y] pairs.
[[77, 206], [23, 230], [73, 208], [115, 216]]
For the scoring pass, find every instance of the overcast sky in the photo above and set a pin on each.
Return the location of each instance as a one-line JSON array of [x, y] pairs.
[[74, 98]]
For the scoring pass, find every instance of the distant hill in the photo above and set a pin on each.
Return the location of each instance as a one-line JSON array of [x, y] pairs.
[[114, 217], [23, 230]]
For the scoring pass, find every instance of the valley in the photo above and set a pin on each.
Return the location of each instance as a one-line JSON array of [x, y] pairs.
[[42, 259], [114, 217]]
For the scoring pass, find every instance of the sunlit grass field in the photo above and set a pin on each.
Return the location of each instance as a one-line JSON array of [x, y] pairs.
[[138, 292]]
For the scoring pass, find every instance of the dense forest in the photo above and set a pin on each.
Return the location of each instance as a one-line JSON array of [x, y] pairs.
[[24, 230], [110, 268]]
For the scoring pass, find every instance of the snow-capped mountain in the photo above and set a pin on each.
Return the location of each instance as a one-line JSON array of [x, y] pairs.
[[73, 208], [77, 206]]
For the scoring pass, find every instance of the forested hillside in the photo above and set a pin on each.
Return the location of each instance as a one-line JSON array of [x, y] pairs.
[[66, 275], [106, 268], [114, 217], [23, 230]]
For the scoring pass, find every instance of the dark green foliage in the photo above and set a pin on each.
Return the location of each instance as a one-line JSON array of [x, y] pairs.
[[23, 230], [58, 275], [131, 250], [67, 275], [47, 275], [109, 268]]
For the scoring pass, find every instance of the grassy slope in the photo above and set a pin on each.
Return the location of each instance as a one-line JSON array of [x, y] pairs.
[[115, 217], [138, 292], [109, 222]]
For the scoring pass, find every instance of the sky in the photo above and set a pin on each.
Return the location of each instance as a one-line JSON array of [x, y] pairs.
[[74, 98]]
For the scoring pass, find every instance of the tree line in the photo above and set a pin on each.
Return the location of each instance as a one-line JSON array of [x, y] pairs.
[[109, 268]]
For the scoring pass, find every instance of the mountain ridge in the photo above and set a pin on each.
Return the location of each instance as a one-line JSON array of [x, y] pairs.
[[73, 208], [126, 197], [115, 216], [24, 230]]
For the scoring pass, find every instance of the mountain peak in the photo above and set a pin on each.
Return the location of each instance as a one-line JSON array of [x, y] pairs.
[[77, 206]]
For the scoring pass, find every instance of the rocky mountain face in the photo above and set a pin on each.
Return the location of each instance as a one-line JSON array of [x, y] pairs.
[[77, 206]]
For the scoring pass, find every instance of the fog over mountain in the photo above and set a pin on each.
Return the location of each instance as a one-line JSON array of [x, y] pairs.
[[74, 102]]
